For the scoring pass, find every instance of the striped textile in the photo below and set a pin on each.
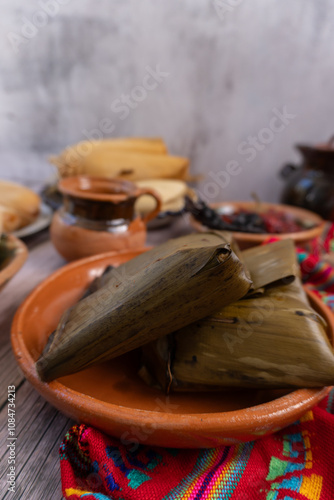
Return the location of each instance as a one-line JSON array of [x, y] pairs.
[[293, 464]]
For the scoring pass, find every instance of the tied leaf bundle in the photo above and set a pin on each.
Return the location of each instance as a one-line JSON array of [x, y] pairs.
[[274, 340], [150, 296]]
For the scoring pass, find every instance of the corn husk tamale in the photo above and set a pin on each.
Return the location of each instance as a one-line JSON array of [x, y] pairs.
[[150, 296], [126, 166], [131, 159], [275, 340], [71, 160]]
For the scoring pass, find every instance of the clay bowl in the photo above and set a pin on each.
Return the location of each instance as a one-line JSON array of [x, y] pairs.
[[112, 397], [15, 262], [248, 240]]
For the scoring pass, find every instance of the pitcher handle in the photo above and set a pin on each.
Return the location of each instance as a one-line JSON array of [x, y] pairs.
[[156, 211]]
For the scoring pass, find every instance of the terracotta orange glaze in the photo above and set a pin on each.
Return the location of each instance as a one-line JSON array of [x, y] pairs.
[[114, 399], [73, 242], [98, 215], [248, 240]]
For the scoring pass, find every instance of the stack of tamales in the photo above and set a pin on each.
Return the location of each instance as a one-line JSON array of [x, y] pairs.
[[206, 317], [150, 296], [131, 159]]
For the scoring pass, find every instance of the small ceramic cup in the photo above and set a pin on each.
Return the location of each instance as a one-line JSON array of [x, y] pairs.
[[98, 215]]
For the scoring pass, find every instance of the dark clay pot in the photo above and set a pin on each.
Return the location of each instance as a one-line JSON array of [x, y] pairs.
[[311, 185]]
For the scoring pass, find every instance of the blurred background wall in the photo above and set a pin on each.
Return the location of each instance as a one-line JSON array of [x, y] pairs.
[[209, 77]]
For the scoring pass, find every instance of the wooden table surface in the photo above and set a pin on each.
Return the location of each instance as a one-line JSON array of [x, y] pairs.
[[39, 427]]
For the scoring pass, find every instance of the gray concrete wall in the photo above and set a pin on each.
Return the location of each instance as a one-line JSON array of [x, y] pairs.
[[229, 67]]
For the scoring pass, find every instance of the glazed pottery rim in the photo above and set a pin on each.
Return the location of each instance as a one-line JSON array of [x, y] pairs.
[[272, 413], [70, 186], [16, 262], [306, 234]]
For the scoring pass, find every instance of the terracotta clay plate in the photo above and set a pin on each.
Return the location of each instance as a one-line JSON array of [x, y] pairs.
[[114, 399], [248, 240]]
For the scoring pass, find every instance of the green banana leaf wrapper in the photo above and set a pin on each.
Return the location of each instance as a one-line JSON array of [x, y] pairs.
[[154, 294], [275, 340]]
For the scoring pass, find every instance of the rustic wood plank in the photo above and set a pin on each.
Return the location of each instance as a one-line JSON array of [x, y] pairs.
[[27, 403], [45, 480], [40, 427], [37, 443], [39, 431], [40, 476], [10, 372]]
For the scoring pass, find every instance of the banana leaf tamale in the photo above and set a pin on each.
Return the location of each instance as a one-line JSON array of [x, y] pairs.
[[273, 341], [150, 296], [270, 340]]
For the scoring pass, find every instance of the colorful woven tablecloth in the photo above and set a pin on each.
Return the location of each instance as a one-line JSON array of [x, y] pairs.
[[294, 464]]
